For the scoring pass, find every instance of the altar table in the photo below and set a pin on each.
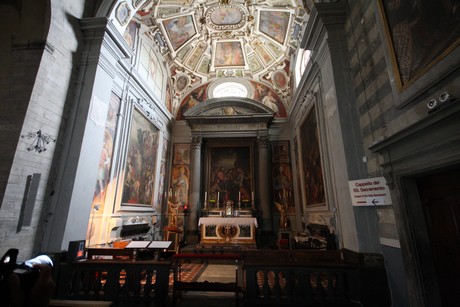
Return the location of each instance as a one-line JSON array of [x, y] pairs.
[[228, 230]]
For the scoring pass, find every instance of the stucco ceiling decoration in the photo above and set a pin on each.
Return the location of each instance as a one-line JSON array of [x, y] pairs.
[[204, 41]]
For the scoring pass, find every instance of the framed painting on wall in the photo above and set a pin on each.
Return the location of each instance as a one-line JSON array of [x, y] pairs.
[[181, 154], [420, 35], [313, 181], [280, 152], [140, 166], [105, 160], [230, 173]]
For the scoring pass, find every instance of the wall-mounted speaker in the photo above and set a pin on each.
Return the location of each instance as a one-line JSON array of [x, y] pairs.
[[444, 97], [433, 103]]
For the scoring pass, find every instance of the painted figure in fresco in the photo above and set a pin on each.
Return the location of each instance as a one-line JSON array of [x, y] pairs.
[[270, 102], [282, 180], [180, 184]]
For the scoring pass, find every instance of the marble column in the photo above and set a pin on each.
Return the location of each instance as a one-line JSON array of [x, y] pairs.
[[263, 198], [191, 230]]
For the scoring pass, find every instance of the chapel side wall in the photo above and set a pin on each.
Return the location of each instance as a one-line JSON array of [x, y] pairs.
[[380, 114], [384, 110], [40, 80]]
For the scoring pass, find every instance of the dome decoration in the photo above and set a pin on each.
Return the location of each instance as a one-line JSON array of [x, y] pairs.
[[206, 41]]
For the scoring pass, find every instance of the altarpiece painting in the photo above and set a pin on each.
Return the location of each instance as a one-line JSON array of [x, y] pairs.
[[230, 173]]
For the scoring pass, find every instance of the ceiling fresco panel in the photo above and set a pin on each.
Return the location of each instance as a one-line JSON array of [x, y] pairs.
[[179, 30], [274, 24], [229, 53], [206, 41]]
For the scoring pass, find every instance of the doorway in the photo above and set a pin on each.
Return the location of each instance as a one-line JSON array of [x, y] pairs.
[[440, 201]]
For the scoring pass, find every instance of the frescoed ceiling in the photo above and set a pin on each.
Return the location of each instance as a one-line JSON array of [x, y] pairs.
[[227, 47]]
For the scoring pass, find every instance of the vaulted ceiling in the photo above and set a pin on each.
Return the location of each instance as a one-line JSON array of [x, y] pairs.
[[227, 48]]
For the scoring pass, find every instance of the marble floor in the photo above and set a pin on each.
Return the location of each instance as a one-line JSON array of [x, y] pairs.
[[224, 273]]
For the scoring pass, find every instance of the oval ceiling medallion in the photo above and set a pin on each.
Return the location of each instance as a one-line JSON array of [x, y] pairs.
[[225, 17]]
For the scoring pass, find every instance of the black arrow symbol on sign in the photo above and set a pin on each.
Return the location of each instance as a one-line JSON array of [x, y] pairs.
[[375, 202]]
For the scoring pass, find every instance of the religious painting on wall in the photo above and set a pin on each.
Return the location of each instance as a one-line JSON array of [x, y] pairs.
[[195, 97], [268, 97], [230, 174], [140, 162], [313, 181], [180, 173], [297, 163], [421, 33], [105, 160], [130, 33], [181, 154], [161, 186], [282, 175], [280, 152]]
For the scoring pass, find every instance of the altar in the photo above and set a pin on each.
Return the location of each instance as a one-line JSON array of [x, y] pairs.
[[228, 230]]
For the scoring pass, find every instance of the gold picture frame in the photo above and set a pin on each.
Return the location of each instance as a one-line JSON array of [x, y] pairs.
[[419, 39]]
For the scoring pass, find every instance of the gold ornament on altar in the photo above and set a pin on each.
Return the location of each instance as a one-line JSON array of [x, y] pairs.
[[173, 210], [227, 231], [284, 222]]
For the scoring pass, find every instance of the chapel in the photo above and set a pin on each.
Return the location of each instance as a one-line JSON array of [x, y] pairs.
[[291, 128]]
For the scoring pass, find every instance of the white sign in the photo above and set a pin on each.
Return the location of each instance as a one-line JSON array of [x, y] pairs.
[[369, 192]]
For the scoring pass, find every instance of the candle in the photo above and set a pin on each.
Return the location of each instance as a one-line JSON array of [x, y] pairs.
[[218, 196], [239, 196], [205, 196]]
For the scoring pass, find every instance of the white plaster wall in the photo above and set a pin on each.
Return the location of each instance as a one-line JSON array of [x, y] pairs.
[[334, 161]]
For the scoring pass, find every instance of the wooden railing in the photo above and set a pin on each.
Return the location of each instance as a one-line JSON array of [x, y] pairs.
[[294, 284], [127, 281], [267, 278], [307, 278]]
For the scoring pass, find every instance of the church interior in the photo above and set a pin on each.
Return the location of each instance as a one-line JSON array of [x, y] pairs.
[[312, 144]]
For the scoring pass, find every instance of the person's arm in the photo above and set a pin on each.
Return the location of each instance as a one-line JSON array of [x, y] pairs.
[[38, 295]]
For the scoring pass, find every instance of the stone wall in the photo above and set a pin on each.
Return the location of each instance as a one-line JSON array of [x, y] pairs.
[[36, 93], [372, 87]]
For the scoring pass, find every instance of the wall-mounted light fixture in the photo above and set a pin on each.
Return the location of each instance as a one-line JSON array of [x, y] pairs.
[[40, 140]]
